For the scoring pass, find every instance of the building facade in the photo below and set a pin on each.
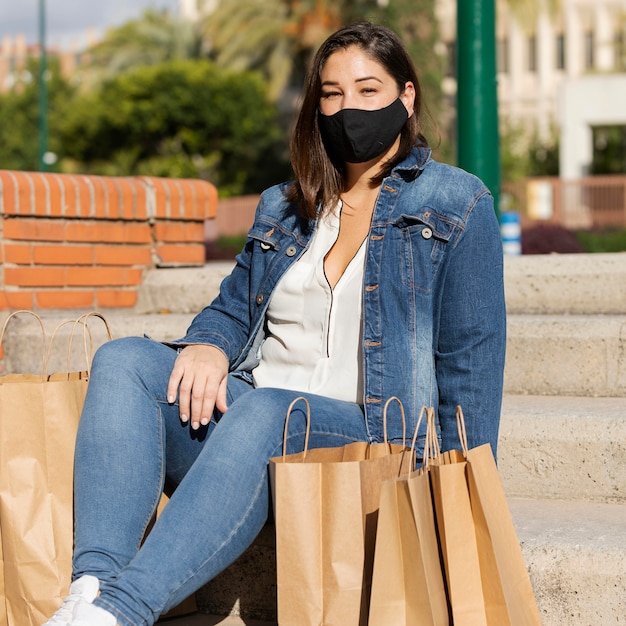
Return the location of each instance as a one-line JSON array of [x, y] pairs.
[[539, 53]]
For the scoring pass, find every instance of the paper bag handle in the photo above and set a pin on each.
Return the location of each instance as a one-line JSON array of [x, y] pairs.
[[308, 425], [389, 401], [43, 336], [431, 443], [83, 319], [460, 424]]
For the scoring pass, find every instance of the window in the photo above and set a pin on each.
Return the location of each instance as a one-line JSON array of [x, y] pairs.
[[502, 54], [451, 59], [560, 51], [589, 50], [620, 51], [532, 53]]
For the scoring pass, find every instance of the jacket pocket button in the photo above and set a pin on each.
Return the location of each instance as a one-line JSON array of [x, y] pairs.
[[427, 233], [291, 251], [259, 299]]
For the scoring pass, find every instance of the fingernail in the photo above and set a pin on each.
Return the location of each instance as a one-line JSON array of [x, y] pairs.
[[204, 421], [171, 399], [184, 418]]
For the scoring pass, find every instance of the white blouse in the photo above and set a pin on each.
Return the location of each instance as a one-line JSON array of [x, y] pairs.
[[313, 332]]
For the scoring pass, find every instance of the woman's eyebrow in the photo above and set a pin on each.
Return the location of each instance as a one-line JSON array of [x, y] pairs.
[[358, 80]]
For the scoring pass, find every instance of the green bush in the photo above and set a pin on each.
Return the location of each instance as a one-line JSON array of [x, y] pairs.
[[602, 241]]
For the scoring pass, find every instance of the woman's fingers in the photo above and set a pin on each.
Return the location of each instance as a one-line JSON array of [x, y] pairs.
[[199, 378]]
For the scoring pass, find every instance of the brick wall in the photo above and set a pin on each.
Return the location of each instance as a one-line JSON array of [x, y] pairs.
[[235, 215], [70, 241]]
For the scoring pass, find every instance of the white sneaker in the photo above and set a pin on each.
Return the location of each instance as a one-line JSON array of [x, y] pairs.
[[82, 591], [92, 615]]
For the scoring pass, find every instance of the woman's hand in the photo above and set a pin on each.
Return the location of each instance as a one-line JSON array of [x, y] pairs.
[[199, 376]]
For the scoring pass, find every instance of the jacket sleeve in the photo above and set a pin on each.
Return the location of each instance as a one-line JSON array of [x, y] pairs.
[[226, 322], [471, 338]]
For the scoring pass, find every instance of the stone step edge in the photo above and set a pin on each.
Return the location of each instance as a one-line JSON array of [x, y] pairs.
[[565, 283], [563, 447], [575, 553], [576, 556]]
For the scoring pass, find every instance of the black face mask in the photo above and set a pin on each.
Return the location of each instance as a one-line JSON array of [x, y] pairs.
[[357, 136]]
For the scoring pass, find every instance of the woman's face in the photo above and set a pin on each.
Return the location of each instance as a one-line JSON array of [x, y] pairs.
[[352, 80]]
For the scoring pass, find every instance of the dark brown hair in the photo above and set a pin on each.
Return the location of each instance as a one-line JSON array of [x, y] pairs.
[[319, 180]]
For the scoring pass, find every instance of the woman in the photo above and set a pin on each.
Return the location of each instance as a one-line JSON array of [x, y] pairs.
[[377, 273]]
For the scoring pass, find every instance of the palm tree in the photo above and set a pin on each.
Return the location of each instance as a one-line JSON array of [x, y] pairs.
[[155, 37], [275, 37]]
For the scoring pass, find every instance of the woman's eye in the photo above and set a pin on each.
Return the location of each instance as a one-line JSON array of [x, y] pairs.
[[330, 94]]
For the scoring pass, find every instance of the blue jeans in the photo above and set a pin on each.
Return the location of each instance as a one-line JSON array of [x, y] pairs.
[[131, 441]]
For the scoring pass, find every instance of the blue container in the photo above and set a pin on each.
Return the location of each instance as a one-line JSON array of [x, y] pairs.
[[511, 232]]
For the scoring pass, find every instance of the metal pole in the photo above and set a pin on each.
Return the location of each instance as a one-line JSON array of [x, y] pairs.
[[477, 95], [43, 89]]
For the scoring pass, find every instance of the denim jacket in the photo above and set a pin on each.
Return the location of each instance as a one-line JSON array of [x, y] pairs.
[[433, 327]]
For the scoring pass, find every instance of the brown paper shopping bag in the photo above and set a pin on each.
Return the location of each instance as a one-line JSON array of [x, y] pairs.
[[487, 578], [407, 582], [38, 421], [3, 612], [325, 506]]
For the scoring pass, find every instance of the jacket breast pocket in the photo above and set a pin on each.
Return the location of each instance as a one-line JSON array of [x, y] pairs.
[[425, 238]]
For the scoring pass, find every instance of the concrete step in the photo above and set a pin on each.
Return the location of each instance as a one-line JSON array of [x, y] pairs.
[[576, 284], [544, 440], [23, 339], [582, 355], [555, 284], [181, 289], [561, 447], [575, 553]]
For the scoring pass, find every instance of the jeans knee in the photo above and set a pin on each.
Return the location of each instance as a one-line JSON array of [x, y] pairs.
[[130, 354], [265, 409]]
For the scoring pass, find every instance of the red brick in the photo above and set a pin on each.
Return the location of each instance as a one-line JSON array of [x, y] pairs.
[[112, 191], [22, 299], [161, 197], [92, 231], [108, 232], [65, 299], [9, 192], [41, 194], [188, 254], [176, 198], [180, 232], [84, 195], [100, 199], [169, 231], [115, 298], [123, 255], [137, 233], [71, 193], [103, 276], [19, 254], [55, 191], [34, 276], [127, 190], [63, 255], [34, 229], [141, 200], [24, 193]]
